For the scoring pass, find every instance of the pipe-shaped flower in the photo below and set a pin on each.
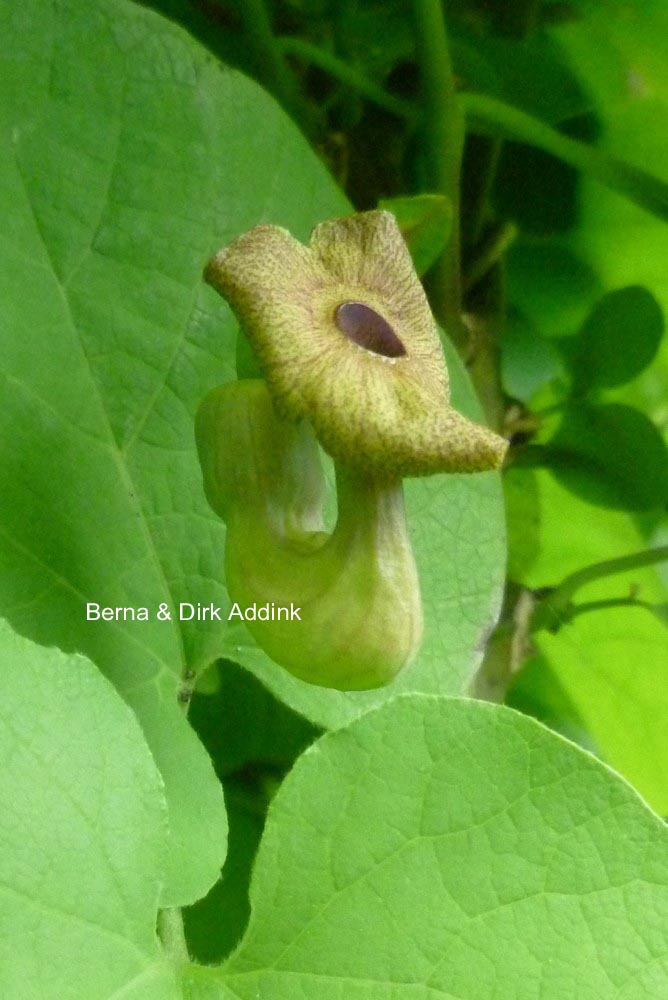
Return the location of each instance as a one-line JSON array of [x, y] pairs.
[[345, 338], [346, 342]]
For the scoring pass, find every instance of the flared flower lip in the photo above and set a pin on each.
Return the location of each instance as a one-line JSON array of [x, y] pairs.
[[344, 336]]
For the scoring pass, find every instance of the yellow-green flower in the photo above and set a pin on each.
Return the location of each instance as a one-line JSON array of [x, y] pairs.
[[345, 338]]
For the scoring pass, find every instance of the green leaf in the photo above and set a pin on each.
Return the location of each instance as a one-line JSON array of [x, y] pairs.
[[556, 533], [609, 665], [113, 339], [531, 73], [108, 177], [357, 35], [551, 285], [612, 664], [528, 360], [425, 221], [611, 455], [454, 849], [83, 832], [619, 338]]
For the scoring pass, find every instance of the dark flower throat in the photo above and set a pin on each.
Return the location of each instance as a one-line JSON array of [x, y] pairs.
[[365, 327]]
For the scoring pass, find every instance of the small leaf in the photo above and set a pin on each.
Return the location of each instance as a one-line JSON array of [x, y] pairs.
[[618, 340], [528, 360], [83, 832], [425, 221], [611, 455]]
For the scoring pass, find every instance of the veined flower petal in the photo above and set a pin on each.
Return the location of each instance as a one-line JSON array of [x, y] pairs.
[[345, 338]]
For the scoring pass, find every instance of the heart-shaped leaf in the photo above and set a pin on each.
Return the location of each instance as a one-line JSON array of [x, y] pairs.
[[127, 164], [449, 848], [83, 831]]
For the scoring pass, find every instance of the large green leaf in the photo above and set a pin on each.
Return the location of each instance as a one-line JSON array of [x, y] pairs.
[[83, 832], [106, 194], [131, 157], [448, 848]]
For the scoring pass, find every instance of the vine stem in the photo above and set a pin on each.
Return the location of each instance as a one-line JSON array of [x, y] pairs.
[[346, 74], [564, 593], [488, 116], [490, 252], [660, 610], [172, 935], [443, 122], [512, 19], [554, 606], [270, 63]]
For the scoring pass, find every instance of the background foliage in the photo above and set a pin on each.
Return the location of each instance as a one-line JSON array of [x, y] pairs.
[[434, 845]]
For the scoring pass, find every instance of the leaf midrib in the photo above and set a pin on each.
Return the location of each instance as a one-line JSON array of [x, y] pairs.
[[117, 457]]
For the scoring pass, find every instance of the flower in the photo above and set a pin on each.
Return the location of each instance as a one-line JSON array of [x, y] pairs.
[[345, 339], [350, 353]]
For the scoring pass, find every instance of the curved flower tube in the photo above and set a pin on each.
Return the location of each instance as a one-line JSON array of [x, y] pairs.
[[357, 588], [350, 352]]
